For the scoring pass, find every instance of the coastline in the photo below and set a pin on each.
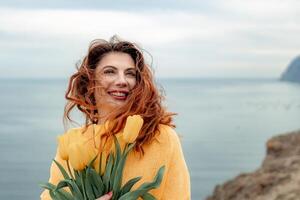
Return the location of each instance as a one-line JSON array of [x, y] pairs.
[[278, 177]]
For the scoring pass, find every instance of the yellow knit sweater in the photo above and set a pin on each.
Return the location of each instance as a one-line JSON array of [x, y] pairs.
[[165, 149]]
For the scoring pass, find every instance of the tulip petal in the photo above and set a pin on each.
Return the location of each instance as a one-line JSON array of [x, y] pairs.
[[62, 169], [76, 156], [132, 128], [63, 142]]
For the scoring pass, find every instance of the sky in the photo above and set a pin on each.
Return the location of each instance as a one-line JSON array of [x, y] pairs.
[[181, 38]]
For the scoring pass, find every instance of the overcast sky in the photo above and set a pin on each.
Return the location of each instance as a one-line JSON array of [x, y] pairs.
[[186, 38]]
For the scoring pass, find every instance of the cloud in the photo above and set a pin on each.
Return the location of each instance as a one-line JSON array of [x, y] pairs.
[[117, 5], [236, 37], [273, 10], [150, 27]]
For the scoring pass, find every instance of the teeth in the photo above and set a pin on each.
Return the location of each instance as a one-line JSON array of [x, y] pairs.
[[119, 94]]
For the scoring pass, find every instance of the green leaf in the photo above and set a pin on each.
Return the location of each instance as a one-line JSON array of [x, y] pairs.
[[128, 148], [88, 185], [117, 159], [107, 172], [133, 195], [97, 182], [145, 187], [48, 186], [82, 176], [116, 181], [78, 180], [53, 195], [92, 161], [127, 187], [96, 192], [65, 194], [62, 170], [59, 193], [61, 185], [156, 182], [148, 196], [119, 170], [73, 188], [59, 196]]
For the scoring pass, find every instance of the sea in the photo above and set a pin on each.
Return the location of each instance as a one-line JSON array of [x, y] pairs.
[[223, 125]]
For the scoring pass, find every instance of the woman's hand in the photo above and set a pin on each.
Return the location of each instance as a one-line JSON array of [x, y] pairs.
[[106, 197]]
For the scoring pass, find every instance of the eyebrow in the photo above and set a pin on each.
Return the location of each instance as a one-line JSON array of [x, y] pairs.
[[107, 66], [111, 66]]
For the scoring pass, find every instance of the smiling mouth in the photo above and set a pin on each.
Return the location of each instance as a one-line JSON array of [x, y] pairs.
[[119, 95]]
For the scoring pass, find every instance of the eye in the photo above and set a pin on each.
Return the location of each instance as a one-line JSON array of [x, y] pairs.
[[131, 73], [109, 71]]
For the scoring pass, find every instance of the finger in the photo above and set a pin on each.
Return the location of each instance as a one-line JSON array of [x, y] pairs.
[[106, 197]]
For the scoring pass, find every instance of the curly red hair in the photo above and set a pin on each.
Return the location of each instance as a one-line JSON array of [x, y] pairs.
[[145, 99]]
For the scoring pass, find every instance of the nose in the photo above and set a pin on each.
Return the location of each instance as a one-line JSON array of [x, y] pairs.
[[121, 80]]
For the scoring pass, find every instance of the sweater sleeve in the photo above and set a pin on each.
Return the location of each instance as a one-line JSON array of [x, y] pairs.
[[177, 186], [55, 175]]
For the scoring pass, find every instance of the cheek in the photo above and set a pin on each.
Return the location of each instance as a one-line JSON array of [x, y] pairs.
[[132, 83], [104, 83], [100, 90]]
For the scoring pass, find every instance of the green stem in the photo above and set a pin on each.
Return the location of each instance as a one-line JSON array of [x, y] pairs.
[[100, 164], [69, 169], [83, 186]]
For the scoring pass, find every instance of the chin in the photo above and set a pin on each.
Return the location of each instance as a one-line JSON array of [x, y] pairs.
[[116, 104]]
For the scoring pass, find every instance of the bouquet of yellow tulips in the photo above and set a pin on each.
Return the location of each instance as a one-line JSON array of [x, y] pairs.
[[94, 174]]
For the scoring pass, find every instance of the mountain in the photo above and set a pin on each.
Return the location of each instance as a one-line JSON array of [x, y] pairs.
[[277, 178], [292, 73]]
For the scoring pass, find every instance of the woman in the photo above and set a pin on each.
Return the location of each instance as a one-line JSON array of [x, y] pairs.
[[114, 82]]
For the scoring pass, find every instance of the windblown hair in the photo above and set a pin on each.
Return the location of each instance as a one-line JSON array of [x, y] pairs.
[[145, 99]]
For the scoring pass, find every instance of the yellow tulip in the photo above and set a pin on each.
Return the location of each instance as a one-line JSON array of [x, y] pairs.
[[63, 144], [132, 128], [76, 156], [89, 153], [121, 141], [65, 140], [103, 162], [76, 137]]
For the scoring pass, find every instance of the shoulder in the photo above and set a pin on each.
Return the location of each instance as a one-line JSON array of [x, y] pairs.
[[73, 131], [76, 129], [166, 131], [167, 136], [80, 131]]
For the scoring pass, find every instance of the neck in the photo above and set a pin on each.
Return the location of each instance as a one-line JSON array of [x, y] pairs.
[[102, 116]]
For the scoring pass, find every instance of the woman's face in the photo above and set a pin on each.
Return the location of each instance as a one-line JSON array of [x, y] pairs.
[[115, 78]]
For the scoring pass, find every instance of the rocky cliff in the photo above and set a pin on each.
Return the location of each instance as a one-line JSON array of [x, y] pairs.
[[292, 73], [278, 178]]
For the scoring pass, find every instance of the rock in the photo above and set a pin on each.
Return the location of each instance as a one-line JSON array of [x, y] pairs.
[[292, 73], [278, 178]]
